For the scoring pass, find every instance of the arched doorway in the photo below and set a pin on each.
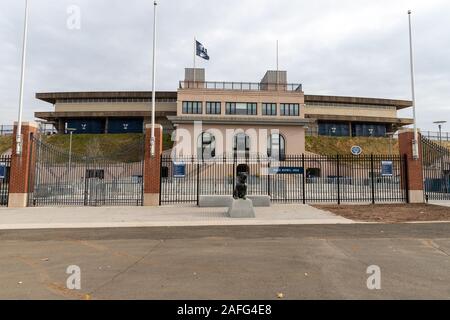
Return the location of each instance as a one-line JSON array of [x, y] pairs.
[[206, 146], [276, 146], [241, 145]]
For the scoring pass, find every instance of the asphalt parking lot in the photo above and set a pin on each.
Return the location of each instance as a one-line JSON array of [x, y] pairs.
[[228, 262]]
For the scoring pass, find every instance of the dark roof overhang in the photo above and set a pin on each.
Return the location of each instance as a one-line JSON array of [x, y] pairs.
[[399, 104]]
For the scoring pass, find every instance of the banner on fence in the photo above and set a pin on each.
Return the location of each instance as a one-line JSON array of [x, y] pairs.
[[286, 170], [179, 170], [2, 171], [387, 168]]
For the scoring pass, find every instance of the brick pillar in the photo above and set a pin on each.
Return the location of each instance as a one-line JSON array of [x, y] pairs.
[[152, 165], [21, 166], [414, 167]]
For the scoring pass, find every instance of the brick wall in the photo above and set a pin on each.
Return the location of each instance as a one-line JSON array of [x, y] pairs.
[[152, 165], [21, 166], [414, 167]]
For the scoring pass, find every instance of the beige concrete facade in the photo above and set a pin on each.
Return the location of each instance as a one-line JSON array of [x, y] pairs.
[[344, 110], [188, 137], [237, 96], [224, 127], [114, 106]]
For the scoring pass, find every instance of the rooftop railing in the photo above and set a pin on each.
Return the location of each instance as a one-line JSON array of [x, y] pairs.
[[240, 86]]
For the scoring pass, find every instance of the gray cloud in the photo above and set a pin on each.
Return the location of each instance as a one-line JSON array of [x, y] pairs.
[[348, 47]]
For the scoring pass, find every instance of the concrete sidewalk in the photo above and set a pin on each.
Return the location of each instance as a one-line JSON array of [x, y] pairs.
[[104, 217], [443, 203]]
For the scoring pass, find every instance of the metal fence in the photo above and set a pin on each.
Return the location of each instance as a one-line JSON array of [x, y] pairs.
[[5, 164], [435, 135], [436, 170], [297, 179], [241, 86], [59, 178], [6, 130]]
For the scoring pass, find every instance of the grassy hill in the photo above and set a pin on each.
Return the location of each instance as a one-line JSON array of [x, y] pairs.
[[342, 145], [5, 143], [106, 145], [100, 144]]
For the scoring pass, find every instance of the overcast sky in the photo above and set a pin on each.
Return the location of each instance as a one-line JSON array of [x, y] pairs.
[[346, 47]]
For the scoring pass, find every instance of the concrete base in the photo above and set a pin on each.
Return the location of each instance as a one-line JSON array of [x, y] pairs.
[[416, 196], [218, 201], [151, 199], [18, 200], [241, 209]]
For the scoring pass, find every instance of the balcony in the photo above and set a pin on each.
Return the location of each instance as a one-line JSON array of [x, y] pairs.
[[240, 86]]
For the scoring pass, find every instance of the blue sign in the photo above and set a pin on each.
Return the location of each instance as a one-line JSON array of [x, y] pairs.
[[286, 170], [2, 171], [179, 170], [387, 168], [356, 150]]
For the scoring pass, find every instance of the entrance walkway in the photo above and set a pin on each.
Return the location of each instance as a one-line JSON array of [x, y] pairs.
[[104, 217], [444, 203]]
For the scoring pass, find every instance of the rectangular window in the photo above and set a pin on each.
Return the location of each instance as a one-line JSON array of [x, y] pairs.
[[240, 108], [230, 108], [213, 108], [269, 109], [290, 109], [334, 129], [368, 130], [192, 107]]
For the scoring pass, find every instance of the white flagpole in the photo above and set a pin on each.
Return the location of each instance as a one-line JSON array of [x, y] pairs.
[[195, 53], [152, 139], [415, 145], [22, 83]]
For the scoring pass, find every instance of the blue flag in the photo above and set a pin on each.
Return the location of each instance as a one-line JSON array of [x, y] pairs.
[[201, 51]]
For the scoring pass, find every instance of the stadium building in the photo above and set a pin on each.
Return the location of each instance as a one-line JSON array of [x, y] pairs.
[[271, 102]]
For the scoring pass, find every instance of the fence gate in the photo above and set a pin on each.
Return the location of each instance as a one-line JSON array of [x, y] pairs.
[[60, 178], [5, 164], [295, 178], [436, 170]]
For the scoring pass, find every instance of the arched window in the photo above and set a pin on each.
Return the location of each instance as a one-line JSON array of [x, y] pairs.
[[206, 146], [276, 146], [241, 145]]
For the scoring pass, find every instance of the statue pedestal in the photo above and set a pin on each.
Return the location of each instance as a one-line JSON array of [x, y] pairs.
[[241, 208]]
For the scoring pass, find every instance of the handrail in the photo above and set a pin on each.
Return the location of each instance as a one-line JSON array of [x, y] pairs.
[[240, 86]]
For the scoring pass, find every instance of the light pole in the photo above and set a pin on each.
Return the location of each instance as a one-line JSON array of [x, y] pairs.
[[71, 130], [415, 145], [22, 81], [440, 123], [152, 139]]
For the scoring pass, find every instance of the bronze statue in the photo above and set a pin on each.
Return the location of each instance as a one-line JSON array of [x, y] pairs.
[[240, 191]]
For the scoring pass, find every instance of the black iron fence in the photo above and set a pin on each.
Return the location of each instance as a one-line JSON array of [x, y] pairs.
[[5, 164], [297, 179], [436, 170], [59, 178]]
